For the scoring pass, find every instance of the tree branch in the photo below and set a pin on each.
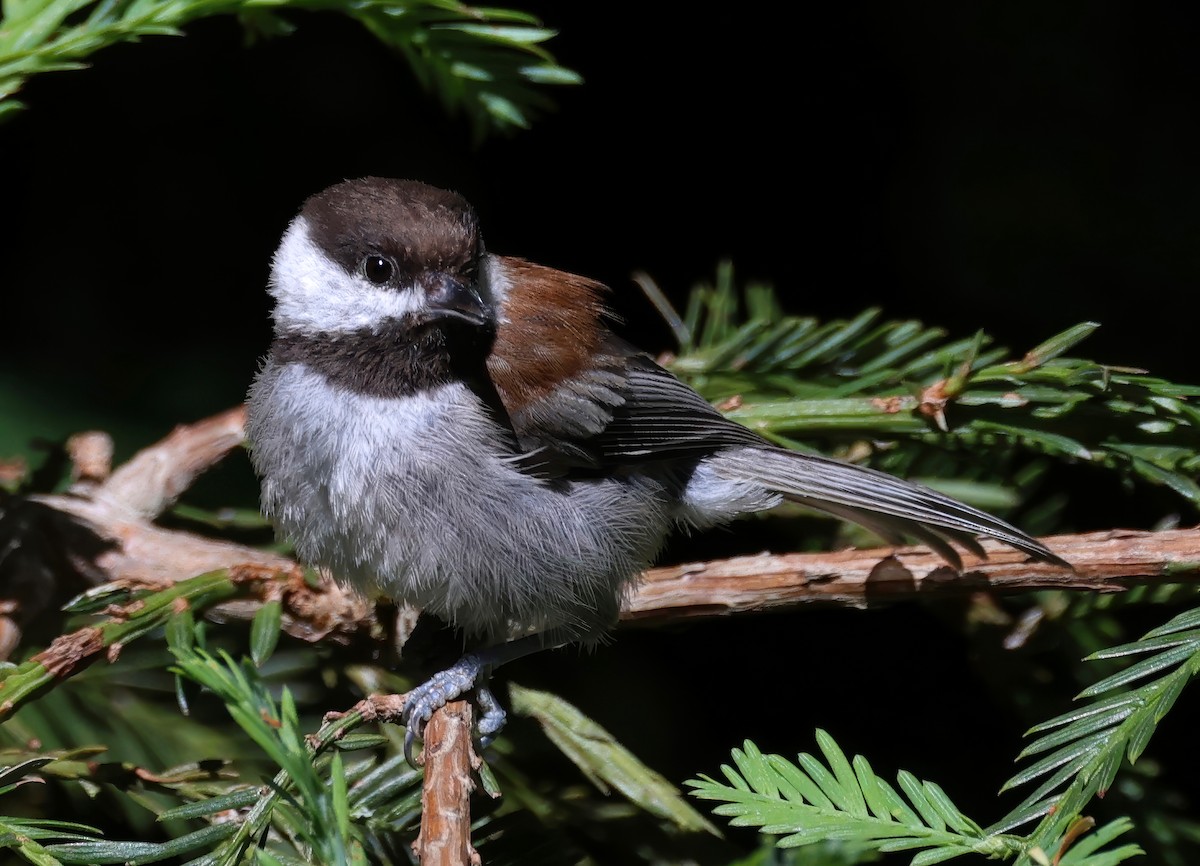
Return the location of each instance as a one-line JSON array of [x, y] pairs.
[[450, 762], [102, 530], [1108, 561], [448, 756], [119, 512]]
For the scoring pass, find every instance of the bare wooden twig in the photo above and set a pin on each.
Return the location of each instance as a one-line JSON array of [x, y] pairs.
[[1108, 561], [449, 758], [450, 764], [155, 477], [118, 510]]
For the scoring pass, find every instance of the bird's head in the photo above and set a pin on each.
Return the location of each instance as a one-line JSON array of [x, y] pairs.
[[378, 254]]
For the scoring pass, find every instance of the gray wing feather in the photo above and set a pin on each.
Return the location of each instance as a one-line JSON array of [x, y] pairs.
[[627, 410]]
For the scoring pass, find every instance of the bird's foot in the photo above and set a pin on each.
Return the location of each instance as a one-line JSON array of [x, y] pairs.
[[469, 672]]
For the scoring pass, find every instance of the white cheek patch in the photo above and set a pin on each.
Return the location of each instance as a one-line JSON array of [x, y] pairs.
[[313, 295]]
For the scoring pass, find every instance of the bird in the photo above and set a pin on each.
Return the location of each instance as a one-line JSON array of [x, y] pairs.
[[466, 432]]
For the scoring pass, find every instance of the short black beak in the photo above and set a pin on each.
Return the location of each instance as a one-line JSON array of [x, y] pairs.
[[451, 297]]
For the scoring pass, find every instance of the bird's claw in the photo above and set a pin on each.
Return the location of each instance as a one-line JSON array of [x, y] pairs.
[[469, 672], [491, 715]]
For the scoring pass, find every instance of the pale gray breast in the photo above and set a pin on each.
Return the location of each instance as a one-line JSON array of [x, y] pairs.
[[414, 498]]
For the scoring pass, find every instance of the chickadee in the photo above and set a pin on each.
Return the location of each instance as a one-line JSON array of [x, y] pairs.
[[462, 432]]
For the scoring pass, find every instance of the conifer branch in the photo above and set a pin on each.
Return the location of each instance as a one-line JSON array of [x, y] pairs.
[[811, 801], [1083, 749], [487, 62], [849, 384]]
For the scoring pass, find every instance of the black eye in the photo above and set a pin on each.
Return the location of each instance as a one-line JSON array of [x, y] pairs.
[[378, 269]]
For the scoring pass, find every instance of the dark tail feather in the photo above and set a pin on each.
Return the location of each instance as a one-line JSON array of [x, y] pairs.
[[884, 504], [891, 530]]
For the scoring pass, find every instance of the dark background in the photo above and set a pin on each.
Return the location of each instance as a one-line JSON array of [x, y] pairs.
[[1017, 167]]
